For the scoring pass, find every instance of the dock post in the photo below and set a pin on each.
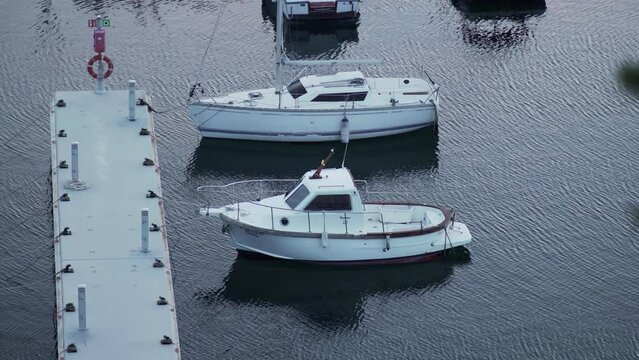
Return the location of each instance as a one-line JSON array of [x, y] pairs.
[[131, 100], [82, 306], [101, 88], [74, 161], [145, 230]]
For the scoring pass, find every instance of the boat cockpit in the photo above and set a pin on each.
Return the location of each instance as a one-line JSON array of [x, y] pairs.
[[339, 87]]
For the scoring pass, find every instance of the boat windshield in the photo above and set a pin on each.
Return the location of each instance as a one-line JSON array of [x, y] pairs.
[[294, 187], [296, 89], [297, 196]]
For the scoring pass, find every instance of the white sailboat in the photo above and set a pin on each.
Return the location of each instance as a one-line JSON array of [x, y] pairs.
[[319, 107]]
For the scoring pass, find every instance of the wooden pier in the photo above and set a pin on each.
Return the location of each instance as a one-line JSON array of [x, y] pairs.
[[114, 292]]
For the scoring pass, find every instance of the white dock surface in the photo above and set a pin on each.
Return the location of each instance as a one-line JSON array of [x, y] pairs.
[[122, 318]]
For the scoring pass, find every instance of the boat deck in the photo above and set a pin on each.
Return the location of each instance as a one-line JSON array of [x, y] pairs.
[[379, 93], [104, 247]]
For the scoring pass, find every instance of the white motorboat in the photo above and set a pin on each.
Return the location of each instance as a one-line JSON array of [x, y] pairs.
[[319, 107], [323, 219], [311, 10]]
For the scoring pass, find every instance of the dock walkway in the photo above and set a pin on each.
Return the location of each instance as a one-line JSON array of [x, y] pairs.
[[104, 227]]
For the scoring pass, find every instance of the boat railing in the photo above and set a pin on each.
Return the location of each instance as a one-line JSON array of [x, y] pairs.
[[310, 219], [246, 190], [241, 190], [347, 105], [289, 214]]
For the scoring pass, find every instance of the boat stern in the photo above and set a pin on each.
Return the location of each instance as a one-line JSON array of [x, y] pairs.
[[458, 234]]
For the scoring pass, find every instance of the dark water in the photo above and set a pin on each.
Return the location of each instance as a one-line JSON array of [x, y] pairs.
[[538, 151]]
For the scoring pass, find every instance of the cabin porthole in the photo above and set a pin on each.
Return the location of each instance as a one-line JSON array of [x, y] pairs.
[[284, 221], [406, 81]]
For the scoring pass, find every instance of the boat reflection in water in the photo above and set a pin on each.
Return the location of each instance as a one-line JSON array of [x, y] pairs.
[[316, 38], [497, 23], [237, 159], [332, 297]]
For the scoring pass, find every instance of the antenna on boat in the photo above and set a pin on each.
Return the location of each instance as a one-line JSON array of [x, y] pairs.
[[322, 165]]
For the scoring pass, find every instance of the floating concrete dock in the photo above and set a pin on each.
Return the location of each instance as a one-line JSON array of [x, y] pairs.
[[114, 292]]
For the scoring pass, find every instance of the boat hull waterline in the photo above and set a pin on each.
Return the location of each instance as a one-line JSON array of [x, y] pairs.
[[230, 122]]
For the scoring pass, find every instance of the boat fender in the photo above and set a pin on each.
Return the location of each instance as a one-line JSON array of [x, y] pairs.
[[387, 247], [100, 57], [324, 239], [345, 131], [225, 229]]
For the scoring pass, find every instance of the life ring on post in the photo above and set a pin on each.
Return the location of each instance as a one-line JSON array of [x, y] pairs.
[[104, 58]]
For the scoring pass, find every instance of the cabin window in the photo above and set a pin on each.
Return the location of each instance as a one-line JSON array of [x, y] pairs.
[[357, 96], [330, 202], [297, 196], [296, 89]]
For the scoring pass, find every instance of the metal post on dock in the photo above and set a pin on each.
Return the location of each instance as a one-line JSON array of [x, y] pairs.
[[145, 230], [131, 100], [74, 161], [82, 306], [75, 183], [100, 86]]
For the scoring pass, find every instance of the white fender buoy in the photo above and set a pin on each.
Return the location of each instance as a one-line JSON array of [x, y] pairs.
[[345, 131]]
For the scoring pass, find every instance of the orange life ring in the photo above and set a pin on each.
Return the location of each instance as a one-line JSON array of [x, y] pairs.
[[100, 57]]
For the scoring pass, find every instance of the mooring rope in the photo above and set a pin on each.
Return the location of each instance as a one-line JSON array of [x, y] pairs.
[[208, 46]]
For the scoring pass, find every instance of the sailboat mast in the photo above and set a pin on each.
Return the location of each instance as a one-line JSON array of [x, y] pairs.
[[278, 47]]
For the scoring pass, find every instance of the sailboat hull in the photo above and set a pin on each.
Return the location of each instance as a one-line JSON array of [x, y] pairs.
[[295, 125]]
